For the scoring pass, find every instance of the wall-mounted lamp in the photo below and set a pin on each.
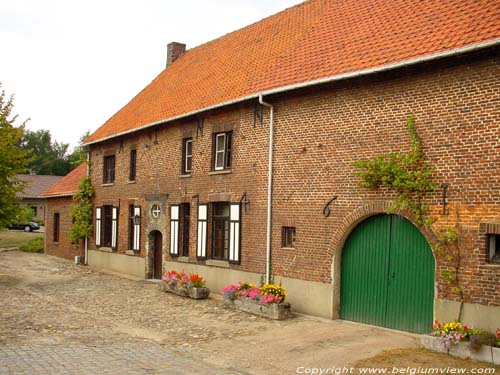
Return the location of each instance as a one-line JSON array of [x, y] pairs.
[[137, 220]]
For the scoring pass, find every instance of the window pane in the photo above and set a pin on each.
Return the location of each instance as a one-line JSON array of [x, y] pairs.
[[221, 142]]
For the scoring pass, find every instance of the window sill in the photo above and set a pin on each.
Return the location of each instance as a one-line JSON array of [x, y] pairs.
[[492, 264], [187, 175], [131, 252], [105, 249], [217, 263], [223, 171], [183, 259], [131, 182], [288, 248], [108, 184]]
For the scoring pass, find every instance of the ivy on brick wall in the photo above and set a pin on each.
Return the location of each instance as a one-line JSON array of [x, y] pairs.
[[407, 174], [82, 212]]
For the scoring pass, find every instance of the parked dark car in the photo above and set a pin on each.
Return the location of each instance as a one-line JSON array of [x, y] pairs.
[[30, 227]]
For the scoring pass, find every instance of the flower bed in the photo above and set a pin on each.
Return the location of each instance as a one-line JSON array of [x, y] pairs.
[[267, 301], [462, 341], [182, 284]]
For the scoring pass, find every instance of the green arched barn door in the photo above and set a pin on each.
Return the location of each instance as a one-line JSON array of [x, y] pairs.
[[388, 275]]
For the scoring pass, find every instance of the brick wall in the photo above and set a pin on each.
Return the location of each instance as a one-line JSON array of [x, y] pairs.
[[319, 134], [62, 248]]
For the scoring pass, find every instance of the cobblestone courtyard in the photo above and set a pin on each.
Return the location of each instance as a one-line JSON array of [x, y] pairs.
[[59, 318]]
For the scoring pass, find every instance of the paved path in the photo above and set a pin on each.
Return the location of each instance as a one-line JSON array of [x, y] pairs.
[[118, 358], [56, 316]]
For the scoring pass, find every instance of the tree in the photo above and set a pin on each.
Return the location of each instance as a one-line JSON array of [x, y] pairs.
[[13, 161], [79, 154], [82, 212], [48, 157]]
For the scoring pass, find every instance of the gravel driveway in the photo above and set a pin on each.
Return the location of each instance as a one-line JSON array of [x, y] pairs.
[[48, 304]]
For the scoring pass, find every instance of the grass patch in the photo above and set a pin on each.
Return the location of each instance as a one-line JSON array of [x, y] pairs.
[[34, 245], [14, 238]]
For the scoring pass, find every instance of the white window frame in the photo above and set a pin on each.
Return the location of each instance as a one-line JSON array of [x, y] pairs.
[[219, 152], [201, 248], [234, 233], [98, 226], [174, 230], [137, 230], [188, 155]]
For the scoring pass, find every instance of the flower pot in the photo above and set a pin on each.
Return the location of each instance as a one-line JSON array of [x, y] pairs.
[[433, 343], [277, 311], [198, 293], [496, 355], [462, 350], [194, 293]]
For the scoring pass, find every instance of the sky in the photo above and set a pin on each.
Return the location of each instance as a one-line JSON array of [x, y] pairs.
[[71, 65]]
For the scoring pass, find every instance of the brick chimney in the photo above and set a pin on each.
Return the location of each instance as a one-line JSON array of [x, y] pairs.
[[174, 51]]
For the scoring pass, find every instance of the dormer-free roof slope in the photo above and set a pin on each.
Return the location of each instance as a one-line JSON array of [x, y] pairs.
[[69, 184], [36, 184], [318, 39]]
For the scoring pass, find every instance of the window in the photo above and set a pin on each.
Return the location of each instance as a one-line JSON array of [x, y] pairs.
[[220, 230], [56, 226], [288, 237], [185, 222], [187, 155], [107, 226], [109, 170], [494, 247], [34, 209], [222, 150], [133, 163]]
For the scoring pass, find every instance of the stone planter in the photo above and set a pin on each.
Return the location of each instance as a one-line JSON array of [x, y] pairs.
[[433, 343], [199, 293], [462, 350], [276, 311], [194, 293], [495, 352]]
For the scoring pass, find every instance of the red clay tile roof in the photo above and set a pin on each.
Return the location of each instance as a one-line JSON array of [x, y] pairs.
[[36, 184], [69, 184], [314, 40]]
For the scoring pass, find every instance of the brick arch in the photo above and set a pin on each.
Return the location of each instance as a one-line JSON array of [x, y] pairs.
[[344, 230]]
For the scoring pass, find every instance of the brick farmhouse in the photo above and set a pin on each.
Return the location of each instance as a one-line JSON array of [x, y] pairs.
[[59, 198], [236, 162]]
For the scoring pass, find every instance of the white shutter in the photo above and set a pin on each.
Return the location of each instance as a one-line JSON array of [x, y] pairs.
[[137, 230], [114, 227], [174, 230], [234, 233], [201, 249], [98, 226]]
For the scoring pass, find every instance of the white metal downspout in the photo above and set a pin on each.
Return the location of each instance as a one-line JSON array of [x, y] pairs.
[[86, 238], [269, 189]]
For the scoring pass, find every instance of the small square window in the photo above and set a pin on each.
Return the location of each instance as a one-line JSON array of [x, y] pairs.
[[494, 247], [288, 237]]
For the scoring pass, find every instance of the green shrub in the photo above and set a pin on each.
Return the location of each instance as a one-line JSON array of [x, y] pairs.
[[33, 246]]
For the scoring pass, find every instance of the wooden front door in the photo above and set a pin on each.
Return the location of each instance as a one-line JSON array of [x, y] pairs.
[[157, 255]]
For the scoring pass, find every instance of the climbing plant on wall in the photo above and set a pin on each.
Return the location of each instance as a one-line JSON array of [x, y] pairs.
[[410, 177], [408, 174], [82, 212]]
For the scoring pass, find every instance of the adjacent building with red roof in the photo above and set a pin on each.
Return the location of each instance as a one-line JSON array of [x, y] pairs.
[[59, 198], [31, 195], [236, 162]]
